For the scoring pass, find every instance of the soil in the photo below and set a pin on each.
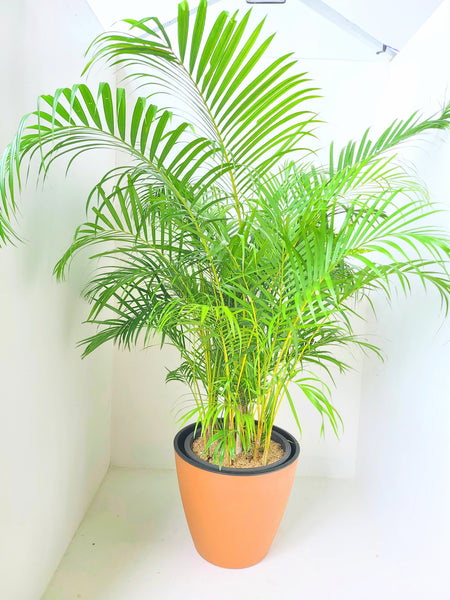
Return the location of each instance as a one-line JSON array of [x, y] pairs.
[[242, 460]]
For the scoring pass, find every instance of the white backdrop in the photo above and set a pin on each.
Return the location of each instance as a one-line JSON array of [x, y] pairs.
[[55, 430], [55, 424], [404, 438]]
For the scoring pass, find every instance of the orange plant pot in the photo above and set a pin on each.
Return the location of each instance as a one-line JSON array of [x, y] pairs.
[[234, 514]]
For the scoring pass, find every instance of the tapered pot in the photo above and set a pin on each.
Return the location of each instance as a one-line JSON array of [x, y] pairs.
[[234, 514]]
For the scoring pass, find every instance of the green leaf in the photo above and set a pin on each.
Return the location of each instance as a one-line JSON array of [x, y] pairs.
[[121, 112], [145, 130], [159, 132], [136, 119], [183, 27], [90, 104], [210, 43], [197, 34], [108, 110]]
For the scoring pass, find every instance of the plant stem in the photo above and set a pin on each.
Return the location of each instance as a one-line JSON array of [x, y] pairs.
[[239, 448], [257, 441], [266, 451]]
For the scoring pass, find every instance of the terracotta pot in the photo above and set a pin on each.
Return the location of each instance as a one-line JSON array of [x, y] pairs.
[[234, 514]]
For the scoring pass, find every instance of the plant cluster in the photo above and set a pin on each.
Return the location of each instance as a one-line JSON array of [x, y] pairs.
[[219, 231]]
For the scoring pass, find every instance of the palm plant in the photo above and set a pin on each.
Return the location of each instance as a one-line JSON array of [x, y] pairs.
[[219, 232]]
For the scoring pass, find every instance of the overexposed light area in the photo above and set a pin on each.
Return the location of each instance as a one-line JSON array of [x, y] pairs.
[[319, 39], [404, 433], [392, 23], [110, 12]]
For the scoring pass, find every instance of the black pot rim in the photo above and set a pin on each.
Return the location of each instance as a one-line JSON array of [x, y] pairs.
[[292, 445]]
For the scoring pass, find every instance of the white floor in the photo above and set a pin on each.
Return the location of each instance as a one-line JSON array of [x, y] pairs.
[[134, 544]]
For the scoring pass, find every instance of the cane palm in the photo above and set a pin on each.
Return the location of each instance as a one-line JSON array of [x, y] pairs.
[[250, 267]]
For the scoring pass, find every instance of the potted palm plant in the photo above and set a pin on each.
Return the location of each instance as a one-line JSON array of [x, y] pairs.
[[219, 233]]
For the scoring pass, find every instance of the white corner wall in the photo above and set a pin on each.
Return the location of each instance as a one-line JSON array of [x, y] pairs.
[[55, 423], [404, 440]]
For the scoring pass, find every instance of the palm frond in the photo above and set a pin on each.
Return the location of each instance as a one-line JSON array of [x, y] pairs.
[[252, 269], [244, 109]]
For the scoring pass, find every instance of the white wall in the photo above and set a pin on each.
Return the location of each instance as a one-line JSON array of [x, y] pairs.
[[54, 439], [144, 408], [404, 446], [55, 408]]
